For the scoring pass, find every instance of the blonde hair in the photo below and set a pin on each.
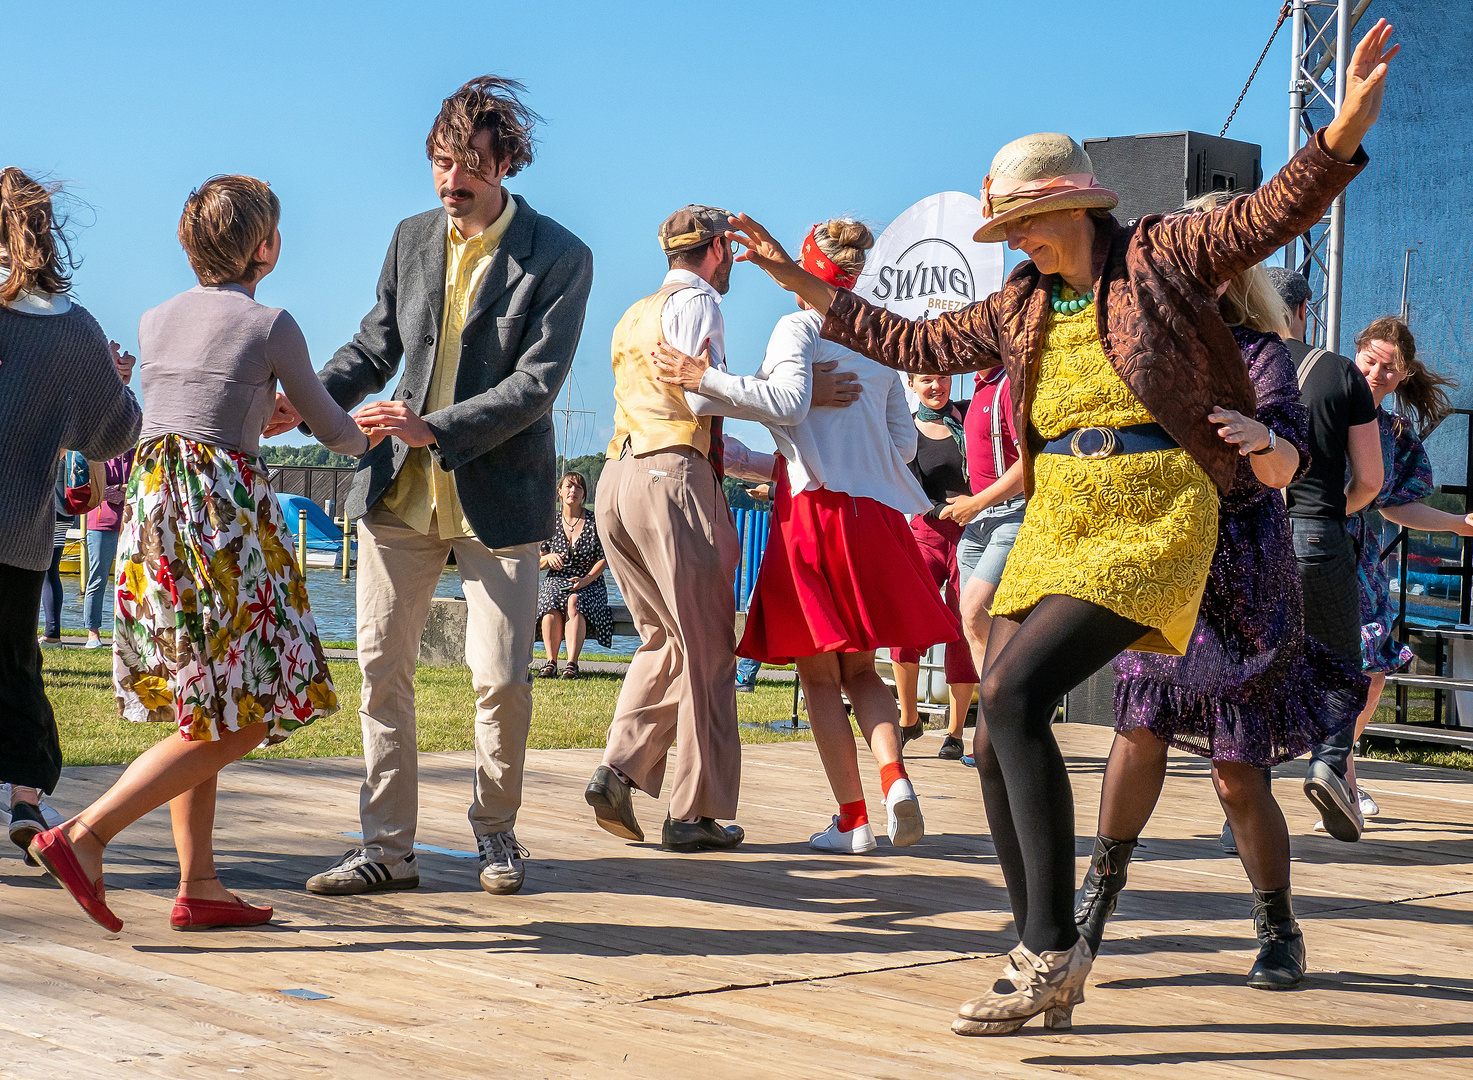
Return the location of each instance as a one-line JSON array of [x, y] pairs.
[[1250, 299], [225, 220], [1422, 392], [33, 247], [844, 241]]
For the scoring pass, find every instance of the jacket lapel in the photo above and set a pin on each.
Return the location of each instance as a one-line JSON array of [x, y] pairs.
[[431, 251], [506, 267]]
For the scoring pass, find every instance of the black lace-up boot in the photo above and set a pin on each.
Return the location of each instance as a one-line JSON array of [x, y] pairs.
[[1101, 887], [1280, 963]]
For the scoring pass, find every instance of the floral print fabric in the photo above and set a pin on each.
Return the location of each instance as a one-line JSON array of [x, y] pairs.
[[213, 631], [1408, 480], [1133, 533]]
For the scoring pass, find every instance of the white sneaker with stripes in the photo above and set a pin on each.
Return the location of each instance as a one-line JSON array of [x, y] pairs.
[[356, 873]]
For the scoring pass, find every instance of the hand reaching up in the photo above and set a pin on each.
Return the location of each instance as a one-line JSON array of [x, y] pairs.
[[1365, 87]]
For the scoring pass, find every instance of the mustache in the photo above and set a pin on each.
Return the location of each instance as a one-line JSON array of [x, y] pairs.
[[458, 193]]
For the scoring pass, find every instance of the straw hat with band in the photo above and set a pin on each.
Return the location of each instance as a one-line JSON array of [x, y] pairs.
[[1034, 174]]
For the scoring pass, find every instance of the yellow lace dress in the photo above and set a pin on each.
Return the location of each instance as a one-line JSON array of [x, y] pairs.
[[1133, 533]]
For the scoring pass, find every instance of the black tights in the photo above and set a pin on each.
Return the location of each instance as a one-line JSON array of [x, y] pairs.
[[1133, 780], [1030, 666]]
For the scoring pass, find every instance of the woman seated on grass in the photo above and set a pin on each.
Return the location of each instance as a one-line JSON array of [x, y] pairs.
[[573, 597]]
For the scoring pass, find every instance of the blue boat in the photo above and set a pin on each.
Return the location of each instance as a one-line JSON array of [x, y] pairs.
[[324, 536]]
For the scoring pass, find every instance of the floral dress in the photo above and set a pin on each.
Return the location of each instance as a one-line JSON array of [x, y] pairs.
[[212, 629], [557, 586], [1408, 480]]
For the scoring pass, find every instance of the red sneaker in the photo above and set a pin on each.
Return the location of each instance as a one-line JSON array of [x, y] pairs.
[[54, 851], [191, 914]]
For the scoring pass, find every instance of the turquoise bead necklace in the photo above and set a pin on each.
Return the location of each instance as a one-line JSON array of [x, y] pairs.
[[1069, 307]]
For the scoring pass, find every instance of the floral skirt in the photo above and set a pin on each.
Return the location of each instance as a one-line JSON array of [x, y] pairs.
[[212, 630]]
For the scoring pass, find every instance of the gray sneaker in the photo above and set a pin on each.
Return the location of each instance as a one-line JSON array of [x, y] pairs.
[[356, 873], [1335, 801], [502, 869]]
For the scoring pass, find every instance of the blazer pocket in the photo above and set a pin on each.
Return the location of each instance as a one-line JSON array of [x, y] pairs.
[[509, 330]]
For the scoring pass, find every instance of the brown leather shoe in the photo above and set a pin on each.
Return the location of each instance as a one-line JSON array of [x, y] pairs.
[[703, 835]]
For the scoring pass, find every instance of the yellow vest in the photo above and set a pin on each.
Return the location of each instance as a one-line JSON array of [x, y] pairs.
[[650, 414]]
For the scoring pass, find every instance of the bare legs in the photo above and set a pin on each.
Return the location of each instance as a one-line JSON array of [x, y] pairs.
[[907, 683], [178, 772], [828, 677], [1373, 701], [575, 626], [1133, 779]]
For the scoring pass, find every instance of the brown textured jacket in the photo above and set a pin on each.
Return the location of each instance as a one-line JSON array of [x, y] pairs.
[[1155, 306]]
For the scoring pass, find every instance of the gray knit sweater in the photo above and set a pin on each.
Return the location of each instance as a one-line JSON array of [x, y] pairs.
[[58, 390]]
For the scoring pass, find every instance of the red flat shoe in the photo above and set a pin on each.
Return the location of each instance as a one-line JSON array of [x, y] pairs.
[[191, 914], [54, 851]]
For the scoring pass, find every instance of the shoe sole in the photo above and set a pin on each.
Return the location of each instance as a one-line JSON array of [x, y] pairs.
[[906, 824], [217, 926], [1265, 985], [608, 817], [502, 890], [392, 885], [1338, 823], [692, 848], [843, 851], [21, 837]]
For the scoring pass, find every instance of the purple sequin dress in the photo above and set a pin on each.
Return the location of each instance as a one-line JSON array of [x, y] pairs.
[[1252, 687]]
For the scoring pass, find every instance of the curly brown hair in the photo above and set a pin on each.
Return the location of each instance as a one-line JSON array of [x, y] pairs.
[[33, 247], [488, 103], [1422, 392]]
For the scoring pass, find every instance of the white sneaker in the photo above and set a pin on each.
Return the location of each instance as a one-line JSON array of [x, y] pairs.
[[50, 813], [906, 825], [502, 868], [356, 873], [1319, 826], [93, 643], [856, 841], [1368, 807]]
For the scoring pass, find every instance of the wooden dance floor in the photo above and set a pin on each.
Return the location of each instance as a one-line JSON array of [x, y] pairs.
[[622, 961]]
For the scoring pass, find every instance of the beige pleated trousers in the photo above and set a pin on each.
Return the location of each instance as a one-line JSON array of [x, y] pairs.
[[673, 547]]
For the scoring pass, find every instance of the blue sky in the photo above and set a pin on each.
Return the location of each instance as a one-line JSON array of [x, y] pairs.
[[790, 111]]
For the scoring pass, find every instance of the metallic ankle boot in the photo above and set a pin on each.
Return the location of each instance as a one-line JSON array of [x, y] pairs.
[[1101, 888], [1051, 983], [1281, 959]]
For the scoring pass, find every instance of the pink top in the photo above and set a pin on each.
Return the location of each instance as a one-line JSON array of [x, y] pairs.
[[109, 516], [991, 387]]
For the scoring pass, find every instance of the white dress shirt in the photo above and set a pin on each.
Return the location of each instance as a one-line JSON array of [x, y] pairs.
[[862, 449]]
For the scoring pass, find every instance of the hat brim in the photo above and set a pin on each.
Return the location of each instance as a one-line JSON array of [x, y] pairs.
[[992, 231]]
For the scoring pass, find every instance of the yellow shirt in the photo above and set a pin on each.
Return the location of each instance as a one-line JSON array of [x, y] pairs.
[[423, 491]]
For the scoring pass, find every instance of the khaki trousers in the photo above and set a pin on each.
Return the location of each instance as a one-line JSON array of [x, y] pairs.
[[398, 570], [673, 547]]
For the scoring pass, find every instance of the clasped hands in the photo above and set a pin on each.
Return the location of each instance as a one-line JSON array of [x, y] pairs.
[[377, 420], [830, 389]]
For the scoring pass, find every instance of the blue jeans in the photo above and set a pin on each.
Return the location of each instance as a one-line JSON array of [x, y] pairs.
[[747, 671], [102, 546], [52, 595]]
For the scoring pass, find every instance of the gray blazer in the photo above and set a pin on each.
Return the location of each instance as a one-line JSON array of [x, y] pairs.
[[516, 349]]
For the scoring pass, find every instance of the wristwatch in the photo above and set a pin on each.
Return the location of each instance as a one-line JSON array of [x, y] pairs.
[[1273, 442]]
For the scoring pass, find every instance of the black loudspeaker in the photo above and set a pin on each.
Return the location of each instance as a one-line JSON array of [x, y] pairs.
[[1155, 174], [1093, 701]]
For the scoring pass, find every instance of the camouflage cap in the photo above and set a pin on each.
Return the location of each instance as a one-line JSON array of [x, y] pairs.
[[691, 226]]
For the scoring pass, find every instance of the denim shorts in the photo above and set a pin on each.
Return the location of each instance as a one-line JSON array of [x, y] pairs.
[[983, 549]]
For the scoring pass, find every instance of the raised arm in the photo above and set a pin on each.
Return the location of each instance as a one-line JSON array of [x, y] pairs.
[[957, 341], [1213, 247]]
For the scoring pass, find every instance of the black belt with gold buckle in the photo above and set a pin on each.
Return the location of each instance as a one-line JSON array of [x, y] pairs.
[[1096, 443]]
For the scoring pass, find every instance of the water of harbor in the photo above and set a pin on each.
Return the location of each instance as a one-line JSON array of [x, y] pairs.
[[334, 605]]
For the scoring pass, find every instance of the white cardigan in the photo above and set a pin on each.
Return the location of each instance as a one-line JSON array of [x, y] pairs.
[[862, 450]]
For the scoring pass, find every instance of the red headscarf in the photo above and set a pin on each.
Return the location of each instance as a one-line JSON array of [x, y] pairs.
[[821, 266]]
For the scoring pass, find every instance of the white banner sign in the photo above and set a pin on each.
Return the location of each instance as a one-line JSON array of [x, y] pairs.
[[927, 263]]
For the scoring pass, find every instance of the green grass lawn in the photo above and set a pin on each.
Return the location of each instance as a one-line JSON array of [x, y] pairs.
[[565, 713]]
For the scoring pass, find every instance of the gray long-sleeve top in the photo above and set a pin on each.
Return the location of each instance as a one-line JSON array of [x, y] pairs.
[[58, 390], [210, 360]]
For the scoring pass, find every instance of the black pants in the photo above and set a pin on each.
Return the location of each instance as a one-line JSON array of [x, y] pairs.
[[53, 595], [1327, 573], [30, 749]]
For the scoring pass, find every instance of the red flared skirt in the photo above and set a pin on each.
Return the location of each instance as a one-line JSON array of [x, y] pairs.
[[840, 574]]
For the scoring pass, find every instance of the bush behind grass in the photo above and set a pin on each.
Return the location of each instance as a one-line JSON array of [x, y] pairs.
[[565, 713]]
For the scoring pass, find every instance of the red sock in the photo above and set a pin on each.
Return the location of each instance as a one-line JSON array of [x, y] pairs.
[[852, 815], [891, 773]]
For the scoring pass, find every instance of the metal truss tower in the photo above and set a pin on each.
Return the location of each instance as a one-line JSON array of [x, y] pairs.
[[1320, 52]]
